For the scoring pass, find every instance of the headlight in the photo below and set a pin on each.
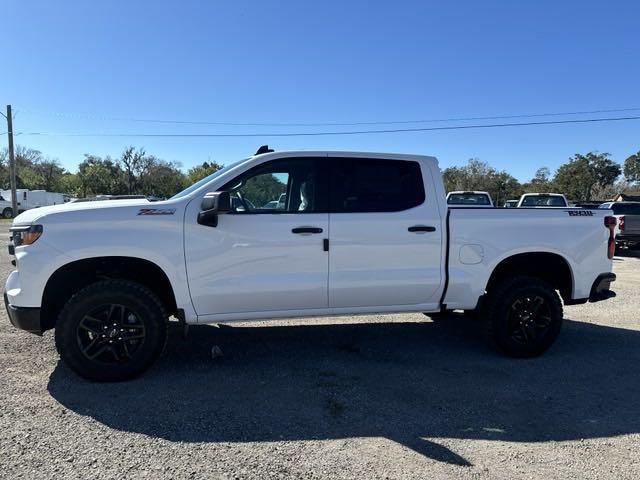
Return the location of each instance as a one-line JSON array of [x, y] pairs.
[[25, 235]]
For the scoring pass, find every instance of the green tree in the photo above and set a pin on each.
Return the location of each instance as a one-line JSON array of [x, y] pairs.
[[200, 171], [575, 179], [503, 187], [542, 175], [134, 162], [33, 170], [632, 168], [160, 178], [71, 184], [479, 175], [578, 178], [540, 182], [605, 170], [47, 174], [101, 176]]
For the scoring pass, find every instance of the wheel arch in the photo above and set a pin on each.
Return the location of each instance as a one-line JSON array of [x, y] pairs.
[[549, 266], [73, 276]]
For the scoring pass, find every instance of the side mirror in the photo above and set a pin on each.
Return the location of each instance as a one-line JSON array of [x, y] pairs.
[[213, 204]]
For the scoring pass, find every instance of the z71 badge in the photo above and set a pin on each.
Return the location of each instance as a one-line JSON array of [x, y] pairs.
[[580, 213], [156, 211]]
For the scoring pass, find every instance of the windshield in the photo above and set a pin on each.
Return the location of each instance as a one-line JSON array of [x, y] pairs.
[[468, 199], [207, 179], [543, 201]]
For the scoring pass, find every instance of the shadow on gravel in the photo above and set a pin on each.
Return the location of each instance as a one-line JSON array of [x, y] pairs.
[[628, 252], [409, 382]]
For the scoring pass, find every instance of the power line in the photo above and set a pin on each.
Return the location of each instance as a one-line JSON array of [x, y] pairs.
[[328, 124], [330, 133]]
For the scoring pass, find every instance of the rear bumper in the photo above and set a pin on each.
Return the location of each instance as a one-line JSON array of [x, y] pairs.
[[601, 287], [628, 238], [24, 318]]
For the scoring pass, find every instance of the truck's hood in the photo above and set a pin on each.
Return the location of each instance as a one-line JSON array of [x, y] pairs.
[[32, 215]]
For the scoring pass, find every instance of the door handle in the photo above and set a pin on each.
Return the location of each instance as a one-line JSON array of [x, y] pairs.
[[422, 228], [306, 230]]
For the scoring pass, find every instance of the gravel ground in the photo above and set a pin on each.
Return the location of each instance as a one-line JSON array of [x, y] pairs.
[[389, 396]]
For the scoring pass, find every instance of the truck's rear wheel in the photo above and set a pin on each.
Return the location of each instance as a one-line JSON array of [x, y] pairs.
[[7, 213], [524, 316], [111, 330]]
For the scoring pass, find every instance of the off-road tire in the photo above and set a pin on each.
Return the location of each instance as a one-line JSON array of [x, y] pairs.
[[149, 312], [501, 315]]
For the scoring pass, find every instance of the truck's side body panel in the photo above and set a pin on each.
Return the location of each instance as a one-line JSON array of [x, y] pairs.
[[375, 259], [148, 231], [252, 263], [252, 266], [481, 240]]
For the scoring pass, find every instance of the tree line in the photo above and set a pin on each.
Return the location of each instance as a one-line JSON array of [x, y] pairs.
[[586, 177], [135, 172], [590, 176]]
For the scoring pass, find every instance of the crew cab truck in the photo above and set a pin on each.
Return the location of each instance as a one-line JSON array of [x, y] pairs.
[[356, 233]]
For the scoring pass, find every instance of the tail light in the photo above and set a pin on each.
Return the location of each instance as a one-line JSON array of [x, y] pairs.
[[610, 223], [621, 222]]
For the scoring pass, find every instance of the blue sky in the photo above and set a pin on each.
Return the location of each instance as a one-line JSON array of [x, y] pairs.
[[328, 61]]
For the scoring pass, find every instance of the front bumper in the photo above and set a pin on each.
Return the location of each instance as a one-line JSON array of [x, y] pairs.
[[601, 287], [24, 318]]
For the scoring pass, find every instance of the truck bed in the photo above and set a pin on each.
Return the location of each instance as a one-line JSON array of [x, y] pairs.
[[478, 240]]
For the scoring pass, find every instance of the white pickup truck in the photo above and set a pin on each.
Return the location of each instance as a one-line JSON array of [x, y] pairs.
[[357, 233], [543, 200]]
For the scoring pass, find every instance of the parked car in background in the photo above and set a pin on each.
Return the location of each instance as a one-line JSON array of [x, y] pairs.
[[627, 230], [5, 207], [469, 199], [510, 204], [543, 200]]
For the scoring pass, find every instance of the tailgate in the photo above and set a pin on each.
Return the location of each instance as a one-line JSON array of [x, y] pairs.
[[631, 225]]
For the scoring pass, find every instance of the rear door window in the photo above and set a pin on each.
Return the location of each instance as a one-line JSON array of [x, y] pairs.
[[374, 185]]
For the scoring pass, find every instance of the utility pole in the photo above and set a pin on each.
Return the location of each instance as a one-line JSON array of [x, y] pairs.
[[12, 162]]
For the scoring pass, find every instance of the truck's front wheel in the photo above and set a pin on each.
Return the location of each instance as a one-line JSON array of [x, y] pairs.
[[111, 330], [524, 316]]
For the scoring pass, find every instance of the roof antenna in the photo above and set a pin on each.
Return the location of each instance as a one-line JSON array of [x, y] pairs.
[[264, 149]]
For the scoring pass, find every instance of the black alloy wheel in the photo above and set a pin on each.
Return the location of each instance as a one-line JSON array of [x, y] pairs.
[[529, 319], [110, 334]]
